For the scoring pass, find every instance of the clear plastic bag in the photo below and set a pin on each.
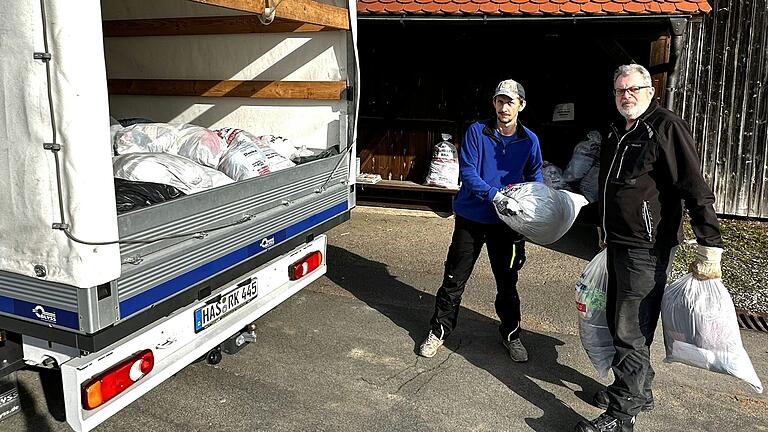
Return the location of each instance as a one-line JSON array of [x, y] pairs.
[[701, 329], [168, 169], [553, 175], [444, 167], [543, 214], [591, 295], [584, 156]]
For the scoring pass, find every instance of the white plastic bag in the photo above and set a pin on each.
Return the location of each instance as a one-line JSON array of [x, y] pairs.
[[243, 158], [165, 168], [200, 145], [591, 296], [275, 160], [193, 142], [444, 167], [584, 156], [543, 214], [701, 329]]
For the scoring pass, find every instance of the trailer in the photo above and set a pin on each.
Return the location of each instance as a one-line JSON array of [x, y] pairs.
[[119, 302]]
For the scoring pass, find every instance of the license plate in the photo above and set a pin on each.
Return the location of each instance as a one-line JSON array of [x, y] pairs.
[[228, 302]]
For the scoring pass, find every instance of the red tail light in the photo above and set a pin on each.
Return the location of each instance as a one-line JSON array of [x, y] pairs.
[[114, 381], [303, 267]]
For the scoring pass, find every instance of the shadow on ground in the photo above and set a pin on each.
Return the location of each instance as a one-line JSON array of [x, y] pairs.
[[475, 338]]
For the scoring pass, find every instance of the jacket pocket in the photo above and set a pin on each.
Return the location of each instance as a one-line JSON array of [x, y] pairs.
[[647, 220]]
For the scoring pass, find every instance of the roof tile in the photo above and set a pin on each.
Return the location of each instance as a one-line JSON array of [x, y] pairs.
[[533, 7], [489, 8], [570, 8], [510, 8], [634, 7]]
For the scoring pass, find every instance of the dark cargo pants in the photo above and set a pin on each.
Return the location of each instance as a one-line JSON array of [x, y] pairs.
[[636, 281], [506, 252]]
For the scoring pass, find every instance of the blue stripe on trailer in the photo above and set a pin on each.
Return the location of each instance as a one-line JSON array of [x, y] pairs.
[[179, 283], [40, 312]]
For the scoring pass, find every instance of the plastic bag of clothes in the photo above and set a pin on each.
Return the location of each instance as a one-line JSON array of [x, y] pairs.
[[553, 175], [248, 156], [541, 214], [701, 329], [591, 296], [590, 183], [584, 156], [444, 167], [168, 169], [131, 195], [193, 142], [269, 145]]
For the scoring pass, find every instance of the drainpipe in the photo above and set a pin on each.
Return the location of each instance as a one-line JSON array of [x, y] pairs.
[[677, 27]]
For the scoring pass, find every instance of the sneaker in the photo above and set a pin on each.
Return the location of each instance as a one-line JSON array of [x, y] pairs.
[[606, 423], [429, 347], [601, 401], [516, 350]]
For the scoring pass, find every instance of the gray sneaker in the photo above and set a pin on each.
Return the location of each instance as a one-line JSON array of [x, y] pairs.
[[430, 346], [516, 350]]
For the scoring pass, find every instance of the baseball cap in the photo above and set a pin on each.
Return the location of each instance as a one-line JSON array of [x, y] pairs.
[[509, 88]]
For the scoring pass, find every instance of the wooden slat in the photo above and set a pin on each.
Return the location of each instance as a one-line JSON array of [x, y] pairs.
[[204, 26], [253, 6], [318, 90], [307, 11]]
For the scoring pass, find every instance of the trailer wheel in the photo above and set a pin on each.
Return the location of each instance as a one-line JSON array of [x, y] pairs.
[[214, 356]]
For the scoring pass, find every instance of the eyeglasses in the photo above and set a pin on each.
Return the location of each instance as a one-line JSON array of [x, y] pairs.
[[631, 90]]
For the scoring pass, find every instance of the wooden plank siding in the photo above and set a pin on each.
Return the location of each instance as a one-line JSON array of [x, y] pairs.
[[723, 79], [307, 11]]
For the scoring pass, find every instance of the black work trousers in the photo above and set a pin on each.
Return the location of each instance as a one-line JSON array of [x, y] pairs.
[[506, 252], [636, 281]]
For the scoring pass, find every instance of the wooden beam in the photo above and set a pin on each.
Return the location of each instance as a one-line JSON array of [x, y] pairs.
[[306, 11], [252, 6], [317, 90], [204, 26]]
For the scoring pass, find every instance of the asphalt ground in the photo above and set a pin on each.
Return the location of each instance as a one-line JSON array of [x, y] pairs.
[[341, 354]]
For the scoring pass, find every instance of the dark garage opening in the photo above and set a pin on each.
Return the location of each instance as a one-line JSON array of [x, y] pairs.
[[424, 77]]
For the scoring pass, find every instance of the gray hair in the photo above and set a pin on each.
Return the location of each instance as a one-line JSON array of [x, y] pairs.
[[629, 69]]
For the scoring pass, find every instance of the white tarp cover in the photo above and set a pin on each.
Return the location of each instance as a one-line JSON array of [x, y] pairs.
[[28, 185]]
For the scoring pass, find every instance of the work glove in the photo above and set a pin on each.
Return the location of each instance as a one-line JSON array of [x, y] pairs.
[[504, 205], [707, 263]]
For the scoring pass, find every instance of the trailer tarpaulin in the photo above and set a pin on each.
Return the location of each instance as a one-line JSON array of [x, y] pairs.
[[29, 179]]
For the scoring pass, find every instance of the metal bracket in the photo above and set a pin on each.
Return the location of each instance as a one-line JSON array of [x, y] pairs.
[[44, 56], [60, 226], [52, 146], [678, 26]]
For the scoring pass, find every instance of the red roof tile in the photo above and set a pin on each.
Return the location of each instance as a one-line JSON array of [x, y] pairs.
[[531, 7]]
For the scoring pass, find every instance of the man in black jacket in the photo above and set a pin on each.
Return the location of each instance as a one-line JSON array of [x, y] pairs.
[[648, 169]]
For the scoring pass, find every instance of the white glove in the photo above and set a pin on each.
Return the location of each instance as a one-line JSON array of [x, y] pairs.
[[707, 263]]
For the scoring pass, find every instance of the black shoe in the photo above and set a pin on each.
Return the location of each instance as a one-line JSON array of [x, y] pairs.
[[606, 423], [601, 401]]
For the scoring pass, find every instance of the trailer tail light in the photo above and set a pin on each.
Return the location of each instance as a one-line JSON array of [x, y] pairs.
[[114, 381], [303, 267]]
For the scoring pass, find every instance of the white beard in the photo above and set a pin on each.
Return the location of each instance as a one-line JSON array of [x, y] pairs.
[[632, 113]]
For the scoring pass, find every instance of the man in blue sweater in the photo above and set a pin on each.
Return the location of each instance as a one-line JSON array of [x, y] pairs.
[[495, 153]]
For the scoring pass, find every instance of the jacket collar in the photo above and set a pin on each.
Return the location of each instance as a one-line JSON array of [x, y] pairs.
[[489, 130]]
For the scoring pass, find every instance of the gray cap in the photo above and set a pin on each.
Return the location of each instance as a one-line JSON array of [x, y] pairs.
[[510, 88]]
